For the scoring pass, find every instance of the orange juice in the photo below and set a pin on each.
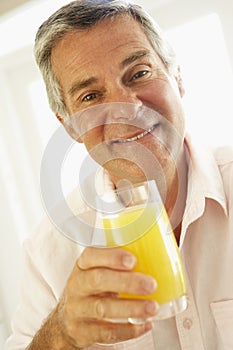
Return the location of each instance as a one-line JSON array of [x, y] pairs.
[[147, 234]]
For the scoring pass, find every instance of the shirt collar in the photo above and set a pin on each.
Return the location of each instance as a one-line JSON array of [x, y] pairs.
[[204, 181]]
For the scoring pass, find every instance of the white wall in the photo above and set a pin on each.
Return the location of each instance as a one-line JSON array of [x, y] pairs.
[[25, 131], [208, 77]]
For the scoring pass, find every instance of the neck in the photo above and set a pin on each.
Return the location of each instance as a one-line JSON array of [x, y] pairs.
[[176, 196]]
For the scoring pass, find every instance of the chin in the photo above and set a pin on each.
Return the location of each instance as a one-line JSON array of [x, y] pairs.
[[122, 169]]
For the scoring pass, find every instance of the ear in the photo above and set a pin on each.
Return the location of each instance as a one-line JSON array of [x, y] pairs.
[[180, 82], [69, 129], [59, 118], [79, 140]]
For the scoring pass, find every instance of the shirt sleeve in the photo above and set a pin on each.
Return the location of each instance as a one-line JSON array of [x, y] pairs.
[[36, 302]]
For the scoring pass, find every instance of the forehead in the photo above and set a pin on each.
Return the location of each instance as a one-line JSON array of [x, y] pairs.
[[118, 26], [109, 37]]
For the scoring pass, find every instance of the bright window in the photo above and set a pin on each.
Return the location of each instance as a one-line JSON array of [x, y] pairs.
[[208, 78]]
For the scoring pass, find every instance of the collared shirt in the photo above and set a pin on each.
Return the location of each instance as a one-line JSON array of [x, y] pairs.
[[206, 247]]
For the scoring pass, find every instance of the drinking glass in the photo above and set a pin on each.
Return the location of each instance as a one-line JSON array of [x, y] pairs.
[[134, 218]]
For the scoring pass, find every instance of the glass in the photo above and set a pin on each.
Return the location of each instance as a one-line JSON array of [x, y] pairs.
[[135, 219]]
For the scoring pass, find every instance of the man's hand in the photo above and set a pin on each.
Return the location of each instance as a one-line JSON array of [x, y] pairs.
[[91, 296]]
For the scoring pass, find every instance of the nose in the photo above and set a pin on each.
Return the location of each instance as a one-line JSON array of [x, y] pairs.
[[123, 104], [123, 94]]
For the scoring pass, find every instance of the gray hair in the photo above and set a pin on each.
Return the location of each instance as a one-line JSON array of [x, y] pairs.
[[83, 14]]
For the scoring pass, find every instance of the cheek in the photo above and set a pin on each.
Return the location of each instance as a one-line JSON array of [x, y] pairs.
[[162, 94], [93, 137], [166, 100]]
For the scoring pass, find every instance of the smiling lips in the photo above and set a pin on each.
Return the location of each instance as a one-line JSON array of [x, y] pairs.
[[135, 138]]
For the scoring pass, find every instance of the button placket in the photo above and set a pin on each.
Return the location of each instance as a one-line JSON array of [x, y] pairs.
[[188, 325]]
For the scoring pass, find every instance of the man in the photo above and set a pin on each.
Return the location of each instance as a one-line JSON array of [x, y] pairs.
[[98, 53]]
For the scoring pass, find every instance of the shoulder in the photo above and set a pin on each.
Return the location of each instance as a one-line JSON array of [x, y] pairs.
[[224, 160], [224, 155], [48, 241]]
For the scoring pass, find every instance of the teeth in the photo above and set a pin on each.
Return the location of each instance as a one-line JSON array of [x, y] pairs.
[[144, 133]]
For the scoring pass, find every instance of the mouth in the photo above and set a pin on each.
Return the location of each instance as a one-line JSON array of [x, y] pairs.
[[136, 137]]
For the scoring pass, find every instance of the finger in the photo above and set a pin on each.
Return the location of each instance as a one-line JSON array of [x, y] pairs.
[[114, 258], [101, 280], [105, 332], [110, 333], [110, 308]]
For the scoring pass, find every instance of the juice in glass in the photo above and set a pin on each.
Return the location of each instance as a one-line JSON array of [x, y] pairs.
[[148, 235]]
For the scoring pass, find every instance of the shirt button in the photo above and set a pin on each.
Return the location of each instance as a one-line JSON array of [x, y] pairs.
[[187, 323]]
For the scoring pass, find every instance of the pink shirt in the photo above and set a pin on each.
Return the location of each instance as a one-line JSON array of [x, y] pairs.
[[206, 247]]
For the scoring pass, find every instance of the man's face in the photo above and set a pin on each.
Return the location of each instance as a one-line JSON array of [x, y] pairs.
[[115, 62]]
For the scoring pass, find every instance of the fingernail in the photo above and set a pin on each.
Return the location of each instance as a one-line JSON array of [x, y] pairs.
[[148, 326], [151, 307], [149, 285], [129, 261]]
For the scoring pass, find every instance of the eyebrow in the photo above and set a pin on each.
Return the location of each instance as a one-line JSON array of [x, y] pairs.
[[82, 84], [134, 57]]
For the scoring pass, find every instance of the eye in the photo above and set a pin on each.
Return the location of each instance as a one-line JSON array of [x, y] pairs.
[[139, 74], [89, 97]]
